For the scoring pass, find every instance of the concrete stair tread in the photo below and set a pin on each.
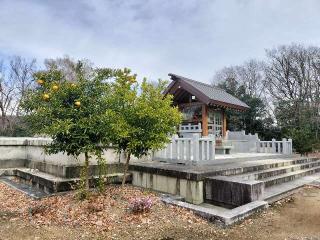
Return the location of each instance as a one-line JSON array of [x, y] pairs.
[[9, 171], [276, 192], [52, 184], [293, 167], [251, 167], [51, 177], [44, 175], [298, 174]]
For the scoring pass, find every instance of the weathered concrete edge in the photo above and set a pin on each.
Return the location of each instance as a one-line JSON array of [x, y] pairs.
[[226, 218], [55, 185], [24, 141], [173, 171]]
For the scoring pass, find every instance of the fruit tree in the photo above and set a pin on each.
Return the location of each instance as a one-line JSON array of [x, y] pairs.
[[72, 113]]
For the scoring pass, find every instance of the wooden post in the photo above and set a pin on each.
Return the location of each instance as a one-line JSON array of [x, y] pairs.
[[224, 124], [204, 120]]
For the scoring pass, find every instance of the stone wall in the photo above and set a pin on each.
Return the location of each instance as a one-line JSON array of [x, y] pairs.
[[16, 151], [242, 142]]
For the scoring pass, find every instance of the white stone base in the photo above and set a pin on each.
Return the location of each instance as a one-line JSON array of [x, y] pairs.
[[192, 191]]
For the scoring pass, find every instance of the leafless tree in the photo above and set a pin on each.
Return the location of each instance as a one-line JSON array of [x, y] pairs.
[[21, 75], [292, 74], [68, 66], [250, 74], [15, 79]]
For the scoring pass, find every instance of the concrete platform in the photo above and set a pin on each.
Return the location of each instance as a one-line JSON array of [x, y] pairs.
[[189, 181], [235, 164], [241, 183]]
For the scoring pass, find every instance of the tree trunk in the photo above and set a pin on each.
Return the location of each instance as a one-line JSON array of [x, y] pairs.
[[86, 165], [126, 166]]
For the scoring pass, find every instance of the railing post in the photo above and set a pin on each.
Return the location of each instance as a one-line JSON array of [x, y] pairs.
[[274, 145], [284, 146], [213, 147], [290, 146], [258, 145], [174, 147], [196, 147]]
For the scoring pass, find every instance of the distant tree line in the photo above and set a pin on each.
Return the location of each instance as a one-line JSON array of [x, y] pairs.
[[283, 92]]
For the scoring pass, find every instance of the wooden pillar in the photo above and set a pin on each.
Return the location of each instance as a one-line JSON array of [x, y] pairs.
[[224, 123], [204, 120]]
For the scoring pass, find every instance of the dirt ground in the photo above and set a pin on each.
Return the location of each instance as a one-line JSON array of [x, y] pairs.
[[297, 217]]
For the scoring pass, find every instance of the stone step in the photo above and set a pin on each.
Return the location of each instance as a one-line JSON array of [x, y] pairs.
[[52, 184], [263, 165], [236, 190], [277, 192], [260, 175], [287, 177]]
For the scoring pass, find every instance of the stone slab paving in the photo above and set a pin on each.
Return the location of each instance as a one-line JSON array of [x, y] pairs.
[[216, 214], [220, 164]]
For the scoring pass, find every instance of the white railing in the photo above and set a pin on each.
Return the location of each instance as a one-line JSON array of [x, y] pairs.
[[281, 147], [190, 128], [188, 150]]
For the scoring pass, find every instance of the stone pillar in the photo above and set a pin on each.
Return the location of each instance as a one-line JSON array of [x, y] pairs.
[[204, 120], [290, 150], [196, 148], [273, 145], [258, 146], [284, 146]]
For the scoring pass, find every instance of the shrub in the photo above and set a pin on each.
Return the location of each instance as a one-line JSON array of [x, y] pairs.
[[139, 205], [302, 140]]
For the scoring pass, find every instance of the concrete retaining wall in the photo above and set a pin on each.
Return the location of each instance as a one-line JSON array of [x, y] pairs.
[[17, 152]]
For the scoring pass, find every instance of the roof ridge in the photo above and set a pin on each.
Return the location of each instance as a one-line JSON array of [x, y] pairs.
[[210, 91], [192, 80]]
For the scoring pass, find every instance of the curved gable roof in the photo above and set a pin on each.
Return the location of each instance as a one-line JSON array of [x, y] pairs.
[[207, 93]]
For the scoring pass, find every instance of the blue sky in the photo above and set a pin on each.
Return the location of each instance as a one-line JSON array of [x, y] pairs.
[[193, 38]]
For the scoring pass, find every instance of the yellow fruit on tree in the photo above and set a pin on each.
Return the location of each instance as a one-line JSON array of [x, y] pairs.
[[55, 87], [77, 103], [40, 81], [45, 96], [73, 85]]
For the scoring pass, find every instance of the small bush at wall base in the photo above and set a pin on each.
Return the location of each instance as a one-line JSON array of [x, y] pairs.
[[139, 205]]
